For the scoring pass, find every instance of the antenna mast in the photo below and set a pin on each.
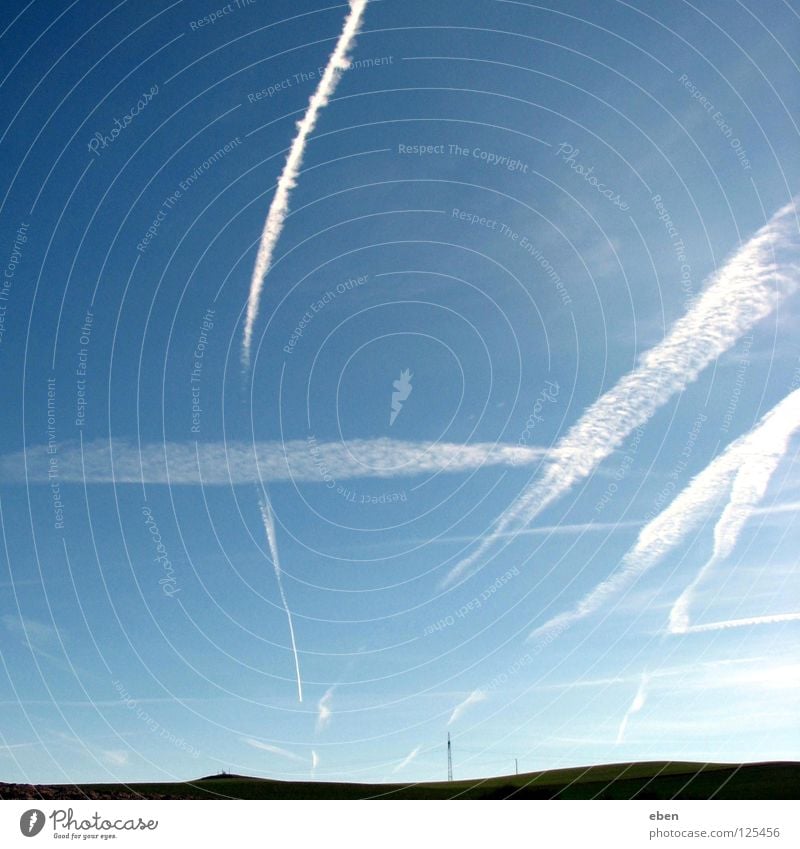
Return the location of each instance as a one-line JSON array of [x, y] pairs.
[[449, 760]]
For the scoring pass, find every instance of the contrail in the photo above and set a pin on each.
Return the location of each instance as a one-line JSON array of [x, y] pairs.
[[269, 527], [473, 698], [749, 486], [236, 462], [636, 705], [324, 711], [279, 208], [745, 290], [772, 619], [407, 759], [687, 510], [275, 750]]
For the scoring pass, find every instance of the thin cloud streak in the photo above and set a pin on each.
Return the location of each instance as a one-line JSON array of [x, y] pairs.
[[744, 291], [272, 540], [473, 698], [750, 484], [275, 750], [407, 759], [338, 62], [771, 619], [687, 510], [636, 705], [232, 463], [324, 712]]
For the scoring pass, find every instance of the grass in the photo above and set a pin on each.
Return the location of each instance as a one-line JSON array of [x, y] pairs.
[[649, 780]]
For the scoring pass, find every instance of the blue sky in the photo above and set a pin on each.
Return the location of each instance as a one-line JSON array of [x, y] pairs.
[[569, 223]]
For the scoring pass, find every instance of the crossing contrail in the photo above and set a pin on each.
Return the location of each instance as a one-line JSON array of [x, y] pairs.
[[749, 485], [745, 290], [279, 208], [269, 527], [687, 510]]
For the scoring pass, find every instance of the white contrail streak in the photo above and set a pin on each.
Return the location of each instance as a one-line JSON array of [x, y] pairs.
[[230, 463], [269, 527], [473, 698], [745, 290], [771, 619], [324, 712], [279, 208], [407, 759], [636, 705], [688, 509], [749, 485], [275, 750]]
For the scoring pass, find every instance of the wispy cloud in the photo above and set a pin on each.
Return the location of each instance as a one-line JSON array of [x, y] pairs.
[[744, 291], [407, 759], [274, 750], [115, 757], [472, 699], [272, 540], [765, 450], [227, 463], [636, 705], [324, 711], [279, 208], [39, 637], [687, 510]]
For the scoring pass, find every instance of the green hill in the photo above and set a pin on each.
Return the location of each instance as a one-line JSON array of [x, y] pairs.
[[648, 780]]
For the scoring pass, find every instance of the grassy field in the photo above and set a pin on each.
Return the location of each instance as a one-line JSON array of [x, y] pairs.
[[650, 780]]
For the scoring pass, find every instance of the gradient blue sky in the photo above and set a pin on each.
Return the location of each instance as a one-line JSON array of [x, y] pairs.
[[107, 676]]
